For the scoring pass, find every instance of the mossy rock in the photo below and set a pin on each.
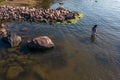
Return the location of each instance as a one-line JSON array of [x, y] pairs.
[[13, 72], [72, 21]]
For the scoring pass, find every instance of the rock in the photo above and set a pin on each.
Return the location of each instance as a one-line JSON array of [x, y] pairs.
[[70, 16], [13, 39], [60, 20], [42, 42], [44, 20], [3, 31], [69, 21], [36, 15]]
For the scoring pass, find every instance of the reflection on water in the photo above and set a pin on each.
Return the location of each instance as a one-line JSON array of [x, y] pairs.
[[74, 56], [92, 38]]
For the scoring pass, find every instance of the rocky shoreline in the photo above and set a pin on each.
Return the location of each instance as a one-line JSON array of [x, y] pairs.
[[37, 15]]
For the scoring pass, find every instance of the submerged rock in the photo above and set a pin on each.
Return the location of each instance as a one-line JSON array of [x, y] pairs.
[[42, 42], [13, 39], [14, 71]]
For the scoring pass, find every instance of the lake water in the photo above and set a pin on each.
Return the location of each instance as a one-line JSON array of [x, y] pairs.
[[74, 57]]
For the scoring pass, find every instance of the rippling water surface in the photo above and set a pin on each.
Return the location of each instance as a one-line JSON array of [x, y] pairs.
[[74, 57]]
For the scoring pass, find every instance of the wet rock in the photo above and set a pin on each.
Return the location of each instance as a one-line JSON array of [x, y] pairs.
[[3, 31], [44, 20], [70, 16], [42, 42], [60, 20], [69, 21], [13, 39]]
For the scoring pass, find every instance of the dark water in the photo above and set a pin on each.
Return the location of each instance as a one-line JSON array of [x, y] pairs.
[[75, 57]]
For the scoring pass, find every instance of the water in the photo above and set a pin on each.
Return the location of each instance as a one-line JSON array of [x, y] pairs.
[[74, 57]]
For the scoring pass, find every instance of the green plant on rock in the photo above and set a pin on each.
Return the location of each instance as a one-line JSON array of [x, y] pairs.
[[72, 21]]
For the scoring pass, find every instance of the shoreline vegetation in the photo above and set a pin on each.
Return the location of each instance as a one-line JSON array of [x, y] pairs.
[[19, 3], [31, 3], [31, 14]]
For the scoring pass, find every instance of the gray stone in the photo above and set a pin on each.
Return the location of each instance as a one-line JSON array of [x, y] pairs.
[[3, 31], [42, 42], [13, 39]]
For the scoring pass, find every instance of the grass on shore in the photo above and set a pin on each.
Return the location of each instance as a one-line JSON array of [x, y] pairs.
[[19, 3], [1, 1], [32, 3]]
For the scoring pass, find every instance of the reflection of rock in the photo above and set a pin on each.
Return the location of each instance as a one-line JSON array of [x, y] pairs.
[[14, 71], [13, 39], [42, 42]]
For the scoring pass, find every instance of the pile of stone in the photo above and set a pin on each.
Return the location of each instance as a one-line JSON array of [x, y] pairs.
[[36, 15], [38, 43]]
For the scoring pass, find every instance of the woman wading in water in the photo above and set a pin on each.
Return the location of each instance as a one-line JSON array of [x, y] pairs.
[[94, 33]]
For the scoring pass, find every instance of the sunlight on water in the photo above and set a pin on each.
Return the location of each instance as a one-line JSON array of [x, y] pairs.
[[74, 57]]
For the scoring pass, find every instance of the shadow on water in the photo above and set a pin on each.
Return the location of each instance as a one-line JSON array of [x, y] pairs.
[[24, 49], [4, 45]]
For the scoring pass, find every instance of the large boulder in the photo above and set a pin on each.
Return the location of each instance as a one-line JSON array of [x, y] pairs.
[[13, 39], [40, 43]]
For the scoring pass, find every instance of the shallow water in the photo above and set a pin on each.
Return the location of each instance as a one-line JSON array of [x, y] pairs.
[[74, 57]]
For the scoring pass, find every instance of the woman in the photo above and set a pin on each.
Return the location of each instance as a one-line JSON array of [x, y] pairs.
[[94, 33]]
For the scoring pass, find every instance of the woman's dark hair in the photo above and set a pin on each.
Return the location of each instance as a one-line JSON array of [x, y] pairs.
[[95, 26]]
